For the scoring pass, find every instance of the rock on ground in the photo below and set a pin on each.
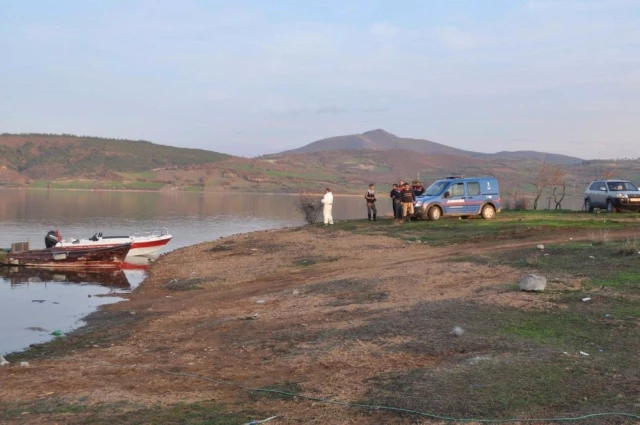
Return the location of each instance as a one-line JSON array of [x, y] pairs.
[[532, 282]]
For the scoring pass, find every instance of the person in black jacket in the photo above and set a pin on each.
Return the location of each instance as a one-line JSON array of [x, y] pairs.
[[418, 189], [370, 196], [407, 198], [395, 202]]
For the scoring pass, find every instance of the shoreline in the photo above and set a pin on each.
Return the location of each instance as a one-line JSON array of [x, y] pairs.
[[320, 312]]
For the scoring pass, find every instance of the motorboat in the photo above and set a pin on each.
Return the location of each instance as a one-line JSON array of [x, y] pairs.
[[142, 244], [97, 257]]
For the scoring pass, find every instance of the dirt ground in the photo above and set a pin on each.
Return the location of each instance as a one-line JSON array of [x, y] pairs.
[[310, 310]]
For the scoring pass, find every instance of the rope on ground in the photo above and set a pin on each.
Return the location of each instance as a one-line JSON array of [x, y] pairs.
[[361, 405]]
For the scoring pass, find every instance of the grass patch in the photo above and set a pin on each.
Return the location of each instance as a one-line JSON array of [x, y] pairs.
[[508, 225], [283, 391], [309, 261], [58, 409], [187, 284], [348, 291], [39, 184]]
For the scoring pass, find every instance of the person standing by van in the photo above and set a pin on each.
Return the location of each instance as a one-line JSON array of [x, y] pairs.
[[395, 202], [370, 196], [407, 202], [327, 201]]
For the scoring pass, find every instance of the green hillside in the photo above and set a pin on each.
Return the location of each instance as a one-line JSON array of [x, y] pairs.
[[53, 156]]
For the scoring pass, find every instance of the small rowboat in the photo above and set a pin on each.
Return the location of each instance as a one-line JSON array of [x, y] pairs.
[[59, 258]]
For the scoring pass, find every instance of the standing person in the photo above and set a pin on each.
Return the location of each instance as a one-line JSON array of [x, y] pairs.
[[418, 189], [327, 201], [370, 196], [407, 202], [395, 202]]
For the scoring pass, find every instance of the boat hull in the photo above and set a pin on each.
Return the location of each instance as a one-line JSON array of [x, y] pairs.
[[60, 258], [140, 246]]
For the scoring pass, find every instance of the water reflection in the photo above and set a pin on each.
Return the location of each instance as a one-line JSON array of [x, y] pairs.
[[25, 275]]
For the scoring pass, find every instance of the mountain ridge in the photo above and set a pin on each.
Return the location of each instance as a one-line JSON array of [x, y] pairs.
[[380, 139]]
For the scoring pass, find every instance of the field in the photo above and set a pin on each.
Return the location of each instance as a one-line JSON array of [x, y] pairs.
[[361, 323]]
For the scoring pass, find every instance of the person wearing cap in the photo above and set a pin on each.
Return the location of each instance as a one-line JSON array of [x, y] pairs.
[[327, 202]]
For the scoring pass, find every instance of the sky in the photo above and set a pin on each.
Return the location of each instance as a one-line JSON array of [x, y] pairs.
[[249, 77]]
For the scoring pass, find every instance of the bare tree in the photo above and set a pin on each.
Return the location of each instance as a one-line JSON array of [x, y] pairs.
[[309, 207], [541, 182], [558, 187]]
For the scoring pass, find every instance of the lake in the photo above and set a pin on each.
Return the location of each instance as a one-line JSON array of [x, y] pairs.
[[34, 304]]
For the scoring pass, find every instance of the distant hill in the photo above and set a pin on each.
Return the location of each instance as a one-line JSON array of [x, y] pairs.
[[40, 156], [383, 140]]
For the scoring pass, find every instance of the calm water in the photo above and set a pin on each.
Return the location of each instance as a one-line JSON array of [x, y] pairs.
[[34, 304]]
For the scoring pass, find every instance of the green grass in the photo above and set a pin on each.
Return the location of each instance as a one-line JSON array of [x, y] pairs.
[[133, 185], [39, 184], [142, 175], [507, 225], [191, 188], [121, 413], [73, 184]]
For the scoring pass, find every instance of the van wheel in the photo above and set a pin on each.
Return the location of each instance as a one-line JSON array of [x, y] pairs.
[[435, 213], [488, 212]]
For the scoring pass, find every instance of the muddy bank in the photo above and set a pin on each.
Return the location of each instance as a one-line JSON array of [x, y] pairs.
[[316, 311]]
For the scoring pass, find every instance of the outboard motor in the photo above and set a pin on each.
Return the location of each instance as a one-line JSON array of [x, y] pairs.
[[52, 238]]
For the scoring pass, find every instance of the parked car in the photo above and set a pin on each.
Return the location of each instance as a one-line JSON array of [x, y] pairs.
[[614, 195], [458, 196]]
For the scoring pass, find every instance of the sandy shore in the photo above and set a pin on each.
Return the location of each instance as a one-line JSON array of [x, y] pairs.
[[292, 309]]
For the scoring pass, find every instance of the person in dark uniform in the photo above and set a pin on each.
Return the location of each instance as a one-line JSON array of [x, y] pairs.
[[418, 189], [395, 202], [407, 198], [370, 196]]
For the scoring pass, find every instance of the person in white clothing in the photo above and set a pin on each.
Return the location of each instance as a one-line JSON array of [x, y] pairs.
[[327, 201]]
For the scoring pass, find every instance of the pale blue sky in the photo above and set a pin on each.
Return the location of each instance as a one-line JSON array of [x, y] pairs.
[[253, 77]]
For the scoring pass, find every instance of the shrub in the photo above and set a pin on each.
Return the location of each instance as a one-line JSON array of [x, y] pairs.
[[309, 207], [630, 247]]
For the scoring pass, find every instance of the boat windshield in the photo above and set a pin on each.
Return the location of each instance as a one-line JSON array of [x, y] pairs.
[[436, 188]]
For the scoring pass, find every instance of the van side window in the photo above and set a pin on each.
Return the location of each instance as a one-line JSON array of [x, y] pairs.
[[473, 188], [457, 189]]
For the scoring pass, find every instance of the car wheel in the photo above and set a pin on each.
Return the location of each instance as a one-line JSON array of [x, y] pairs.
[[587, 205], [488, 212], [435, 213], [610, 208]]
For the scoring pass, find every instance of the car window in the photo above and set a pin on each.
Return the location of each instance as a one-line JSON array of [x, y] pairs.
[[621, 186], [473, 188], [602, 186], [436, 188], [594, 186], [457, 189]]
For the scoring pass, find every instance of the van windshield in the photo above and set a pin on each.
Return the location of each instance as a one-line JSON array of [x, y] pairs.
[[436, 188]]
